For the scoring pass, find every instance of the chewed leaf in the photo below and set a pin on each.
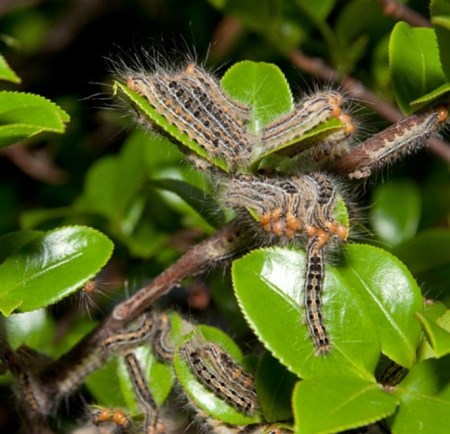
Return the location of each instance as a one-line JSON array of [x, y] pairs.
[[24, 115], [147, 110], [51, 266]]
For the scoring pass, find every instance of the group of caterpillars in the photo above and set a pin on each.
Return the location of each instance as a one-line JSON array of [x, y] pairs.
[[301, 203], [212, 367]]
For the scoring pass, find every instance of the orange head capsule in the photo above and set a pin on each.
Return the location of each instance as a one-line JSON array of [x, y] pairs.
[[442, 113]]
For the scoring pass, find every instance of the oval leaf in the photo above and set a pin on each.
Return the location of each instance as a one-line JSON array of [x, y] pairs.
[[269, 284], [52, 266], [262, 86], [414, 63]]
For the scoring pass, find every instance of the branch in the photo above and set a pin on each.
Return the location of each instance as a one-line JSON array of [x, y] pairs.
[[65, 375], [36, 164], [393, 8]]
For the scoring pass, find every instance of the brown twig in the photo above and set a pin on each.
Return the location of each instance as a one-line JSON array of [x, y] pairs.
[[36, 164], [393, 8], [226, 34], [7, 6]]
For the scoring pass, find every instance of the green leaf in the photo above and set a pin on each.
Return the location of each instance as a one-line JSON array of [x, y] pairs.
[[104, 386], [50, 267], [440, 17], [392, 298], [154, 117], [414, 63], [425, 399], [334, 404], [6, 73], [203, 203], [24, 115], [269, 284], [274, 386], [437, 335], [262, 86], [200, 396], [395, 213]]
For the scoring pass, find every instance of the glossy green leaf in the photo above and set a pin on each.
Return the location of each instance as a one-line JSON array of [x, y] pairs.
[[426, 252], [154, 117], [50, 267], [24, 115], [425, 399], [269, 285], [203, 203], [440, 17], [6, 73], [263, 87], [395, 213], [274, 386], [438, 334], [414, 63], [392, 298], [200, 396], [334, 404]]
